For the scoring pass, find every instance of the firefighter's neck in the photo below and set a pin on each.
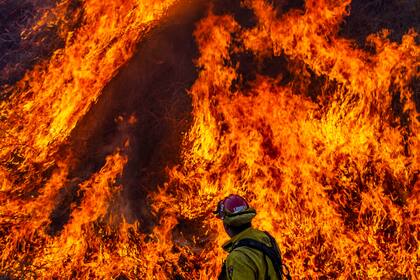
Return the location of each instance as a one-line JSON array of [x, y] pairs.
[[232, 231]]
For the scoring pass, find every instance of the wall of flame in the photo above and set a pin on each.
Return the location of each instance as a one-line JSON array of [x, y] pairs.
[[324, 156]]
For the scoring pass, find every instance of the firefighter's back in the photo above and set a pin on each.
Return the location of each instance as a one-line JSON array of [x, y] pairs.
[[245, 262]]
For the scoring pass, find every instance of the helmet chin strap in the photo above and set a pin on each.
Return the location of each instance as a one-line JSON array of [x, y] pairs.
[[234, 230], [228, 230]]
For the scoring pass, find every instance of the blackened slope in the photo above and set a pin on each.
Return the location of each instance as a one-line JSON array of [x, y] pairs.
[[152, 87], [22, 46]]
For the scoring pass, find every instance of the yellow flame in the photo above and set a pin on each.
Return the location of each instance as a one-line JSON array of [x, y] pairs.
[[334, 179]]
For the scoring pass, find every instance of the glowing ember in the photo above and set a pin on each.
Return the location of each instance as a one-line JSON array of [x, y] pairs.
[[329, 164]]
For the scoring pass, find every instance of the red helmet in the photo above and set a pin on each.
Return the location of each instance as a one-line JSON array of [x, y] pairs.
[[232, 206]]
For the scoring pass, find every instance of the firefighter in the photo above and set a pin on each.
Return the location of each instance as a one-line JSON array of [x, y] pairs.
[[253, 254]]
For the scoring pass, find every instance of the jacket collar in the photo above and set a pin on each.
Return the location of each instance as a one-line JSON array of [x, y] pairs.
[[243, 234]]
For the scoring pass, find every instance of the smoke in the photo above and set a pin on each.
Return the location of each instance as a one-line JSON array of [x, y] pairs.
[[367, 17]]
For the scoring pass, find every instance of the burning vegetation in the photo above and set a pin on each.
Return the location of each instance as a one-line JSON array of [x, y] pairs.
[[123, 122]]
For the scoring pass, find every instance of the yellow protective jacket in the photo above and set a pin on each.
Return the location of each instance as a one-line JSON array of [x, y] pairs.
[[244, 263]]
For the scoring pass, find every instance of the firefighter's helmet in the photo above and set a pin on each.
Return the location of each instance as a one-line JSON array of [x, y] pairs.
[[234, 210]]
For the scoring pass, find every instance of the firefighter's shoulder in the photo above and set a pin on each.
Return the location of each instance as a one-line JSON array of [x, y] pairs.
[[241, 264]]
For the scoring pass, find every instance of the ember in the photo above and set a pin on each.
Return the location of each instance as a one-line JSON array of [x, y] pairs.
[[320, 133]]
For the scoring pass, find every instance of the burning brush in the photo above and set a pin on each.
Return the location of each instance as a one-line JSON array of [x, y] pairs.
[[270, 100]]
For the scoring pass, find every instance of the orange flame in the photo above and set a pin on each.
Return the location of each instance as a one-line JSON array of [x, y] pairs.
[[333, 177], [335, 180], [50, 100]]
